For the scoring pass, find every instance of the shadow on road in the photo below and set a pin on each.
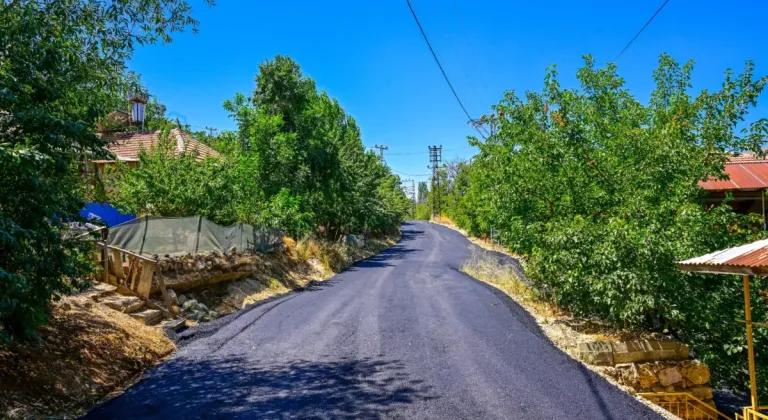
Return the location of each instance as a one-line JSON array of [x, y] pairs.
[[238, 387]]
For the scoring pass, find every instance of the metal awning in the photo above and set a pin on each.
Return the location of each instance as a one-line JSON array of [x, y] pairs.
[[747, 260], [750, 259]]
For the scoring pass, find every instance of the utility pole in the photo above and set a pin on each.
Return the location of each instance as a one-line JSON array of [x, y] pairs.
[[381, 148], [435, 157], [410, 192], [211, 130]]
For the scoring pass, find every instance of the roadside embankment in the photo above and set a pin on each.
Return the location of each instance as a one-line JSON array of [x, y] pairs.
[[644, 368], [95, 345], [86, 351]]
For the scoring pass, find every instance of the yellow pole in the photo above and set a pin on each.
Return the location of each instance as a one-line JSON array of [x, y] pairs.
[[750, 345]]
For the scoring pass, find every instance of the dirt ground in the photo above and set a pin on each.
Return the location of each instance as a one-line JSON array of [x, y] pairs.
[[83, 354]]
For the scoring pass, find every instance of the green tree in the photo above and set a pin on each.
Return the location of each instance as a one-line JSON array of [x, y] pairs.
[[423, 190], [306, 145], [62, 69], [600, 192]]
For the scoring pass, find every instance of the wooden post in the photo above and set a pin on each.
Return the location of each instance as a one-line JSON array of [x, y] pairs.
[[105, 254], [145, 280], [161, 283], [131, 271], [117, 265], [750, 344]]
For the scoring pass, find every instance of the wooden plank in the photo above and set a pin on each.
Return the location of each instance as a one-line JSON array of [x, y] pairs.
[[161, 283], [145, 279], [125, 251], [131, 272], [126, 291], [117, 264]]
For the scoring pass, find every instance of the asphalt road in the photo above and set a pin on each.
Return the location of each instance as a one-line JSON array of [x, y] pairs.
[[401, 335]]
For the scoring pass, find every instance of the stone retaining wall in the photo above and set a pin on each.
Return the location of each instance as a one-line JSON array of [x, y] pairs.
[[650, 366], [186, 272]]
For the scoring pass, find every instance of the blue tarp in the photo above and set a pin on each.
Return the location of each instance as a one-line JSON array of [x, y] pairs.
[[106, 213]]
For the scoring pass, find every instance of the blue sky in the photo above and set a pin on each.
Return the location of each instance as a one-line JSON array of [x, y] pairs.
[[372, 58]]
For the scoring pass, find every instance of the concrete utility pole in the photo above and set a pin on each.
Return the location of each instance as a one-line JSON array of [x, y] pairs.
[[381, 148], [435, 157]]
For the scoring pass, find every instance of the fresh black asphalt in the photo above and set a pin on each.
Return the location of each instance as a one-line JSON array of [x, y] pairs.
[[403, 334]]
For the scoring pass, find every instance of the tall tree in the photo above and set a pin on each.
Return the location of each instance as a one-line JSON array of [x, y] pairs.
[[62, 68], [423, 190]]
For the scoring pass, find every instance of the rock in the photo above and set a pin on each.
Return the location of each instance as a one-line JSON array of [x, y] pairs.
[[126, 304], [174, 324], [669, 376], [189, 305], [648, 351], [173, 298], [181, 298], [596, 353], [99, 290], [703, 393], [148, 316], [696, 372], [628, 375], [646, 378]]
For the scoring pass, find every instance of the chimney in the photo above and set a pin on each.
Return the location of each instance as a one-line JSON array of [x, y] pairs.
[[138, 102]]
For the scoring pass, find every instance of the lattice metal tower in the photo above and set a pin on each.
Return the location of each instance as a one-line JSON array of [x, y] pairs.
[[435, 158]]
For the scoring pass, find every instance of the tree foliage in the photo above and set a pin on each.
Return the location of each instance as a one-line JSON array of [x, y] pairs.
[[296, 161], [62, 68], [599, 192]]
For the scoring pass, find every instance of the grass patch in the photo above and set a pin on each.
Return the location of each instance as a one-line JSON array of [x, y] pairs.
[[485, 267]]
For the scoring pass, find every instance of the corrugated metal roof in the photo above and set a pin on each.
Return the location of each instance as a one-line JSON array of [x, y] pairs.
[[744, 175], [749, 259]]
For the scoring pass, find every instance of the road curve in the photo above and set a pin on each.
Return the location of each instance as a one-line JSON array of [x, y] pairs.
[[401, 335]]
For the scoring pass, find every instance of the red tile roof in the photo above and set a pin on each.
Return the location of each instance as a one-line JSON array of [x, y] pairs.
[[127, 145], [745, 172]]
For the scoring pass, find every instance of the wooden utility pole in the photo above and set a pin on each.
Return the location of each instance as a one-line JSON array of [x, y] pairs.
[[435, 157]]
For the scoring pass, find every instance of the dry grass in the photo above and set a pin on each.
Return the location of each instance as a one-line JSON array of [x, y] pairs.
[[86, 352], [303, 262]]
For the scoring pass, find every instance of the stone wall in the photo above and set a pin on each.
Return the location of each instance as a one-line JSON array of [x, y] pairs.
[[187, 272], [650, 366]]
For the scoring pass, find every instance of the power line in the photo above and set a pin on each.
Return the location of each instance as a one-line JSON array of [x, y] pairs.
[[403, 173], [455, 95], [423, 153], [641, 30]]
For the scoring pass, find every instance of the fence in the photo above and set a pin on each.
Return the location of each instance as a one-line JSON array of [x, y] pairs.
[[685, 406], [154, 235]]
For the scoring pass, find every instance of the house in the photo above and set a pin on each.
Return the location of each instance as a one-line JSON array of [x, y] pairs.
[[747, 183], [124, 139], [127, 145]]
